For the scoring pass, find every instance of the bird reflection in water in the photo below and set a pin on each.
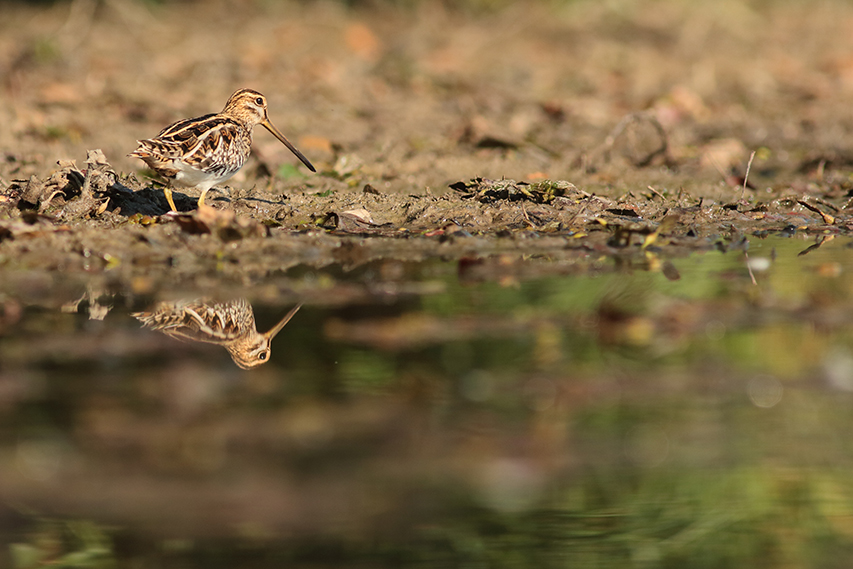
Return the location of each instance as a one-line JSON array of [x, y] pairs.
[[230, 324]]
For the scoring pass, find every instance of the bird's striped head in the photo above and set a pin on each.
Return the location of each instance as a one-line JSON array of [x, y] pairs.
[[247, 106], [250, 108]]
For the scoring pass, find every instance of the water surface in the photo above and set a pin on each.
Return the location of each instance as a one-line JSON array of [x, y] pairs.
[[499, 411]]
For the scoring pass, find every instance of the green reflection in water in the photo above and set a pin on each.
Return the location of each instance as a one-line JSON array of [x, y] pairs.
[[590, 419]]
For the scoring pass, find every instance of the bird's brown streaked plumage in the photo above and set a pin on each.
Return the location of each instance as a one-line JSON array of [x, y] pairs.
[[229, 324], [207, 150]]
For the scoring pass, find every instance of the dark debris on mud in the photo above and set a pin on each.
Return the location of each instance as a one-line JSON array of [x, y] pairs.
[[96, 221]]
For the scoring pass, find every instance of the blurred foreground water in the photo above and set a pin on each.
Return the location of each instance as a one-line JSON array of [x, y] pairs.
[[505, 411]]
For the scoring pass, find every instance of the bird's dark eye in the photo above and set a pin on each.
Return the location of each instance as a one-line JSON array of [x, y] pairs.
[[262, 356], [259, 101]]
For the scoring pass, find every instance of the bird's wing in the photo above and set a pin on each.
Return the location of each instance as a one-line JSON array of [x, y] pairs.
[[202, 139], [194, 141], [201, 320]]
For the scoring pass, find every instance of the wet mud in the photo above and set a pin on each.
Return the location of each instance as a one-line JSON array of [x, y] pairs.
[[438, 133]]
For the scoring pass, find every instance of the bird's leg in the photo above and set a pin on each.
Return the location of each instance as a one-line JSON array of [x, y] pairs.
[[201, 197], [168, 192]]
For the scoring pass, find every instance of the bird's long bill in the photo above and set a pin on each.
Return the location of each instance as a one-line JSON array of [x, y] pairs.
[[277, 133], [277, 328]]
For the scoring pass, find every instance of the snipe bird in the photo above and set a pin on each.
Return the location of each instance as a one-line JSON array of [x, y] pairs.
[[205, 151], [229, 324]]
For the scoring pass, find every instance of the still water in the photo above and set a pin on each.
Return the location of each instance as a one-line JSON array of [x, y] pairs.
[[499, 412]]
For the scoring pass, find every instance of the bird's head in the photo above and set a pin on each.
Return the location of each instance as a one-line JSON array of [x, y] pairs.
[[250, 108]]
